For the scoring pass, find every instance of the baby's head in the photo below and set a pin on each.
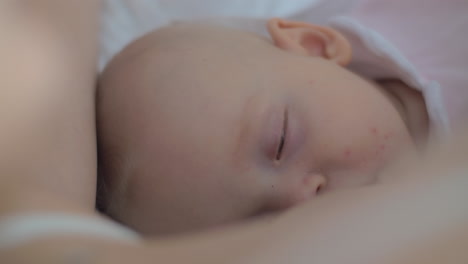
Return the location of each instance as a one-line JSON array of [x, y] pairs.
[[201, 125]]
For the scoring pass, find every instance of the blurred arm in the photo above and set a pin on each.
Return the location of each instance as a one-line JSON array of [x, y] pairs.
[[48, 57], [418, 222]]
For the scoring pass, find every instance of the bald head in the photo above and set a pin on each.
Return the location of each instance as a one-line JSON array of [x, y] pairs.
[[168, 105], [200, 125]]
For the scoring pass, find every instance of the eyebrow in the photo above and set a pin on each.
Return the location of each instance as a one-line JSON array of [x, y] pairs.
[[246, 129]]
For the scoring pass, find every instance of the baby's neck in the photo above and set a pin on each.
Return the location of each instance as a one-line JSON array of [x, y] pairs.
[[412, 107]]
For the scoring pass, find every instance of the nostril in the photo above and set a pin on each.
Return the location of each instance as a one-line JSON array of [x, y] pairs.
[[315, 183], [318, 189]]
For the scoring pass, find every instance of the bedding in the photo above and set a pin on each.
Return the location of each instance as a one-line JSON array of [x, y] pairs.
[[125, 20]]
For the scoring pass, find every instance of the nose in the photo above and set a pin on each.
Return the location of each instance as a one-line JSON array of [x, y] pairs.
[[313, 184], [308, 187]]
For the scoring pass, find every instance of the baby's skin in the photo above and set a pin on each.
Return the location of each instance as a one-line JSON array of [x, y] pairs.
[[199, 126]]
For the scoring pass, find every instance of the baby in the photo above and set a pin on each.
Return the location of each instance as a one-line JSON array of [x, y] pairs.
[[201, 125]]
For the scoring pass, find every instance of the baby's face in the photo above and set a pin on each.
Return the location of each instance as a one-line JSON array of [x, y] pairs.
[[226, 132]]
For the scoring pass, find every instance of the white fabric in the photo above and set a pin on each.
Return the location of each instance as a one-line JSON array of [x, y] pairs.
[[375, 57], [125, 20], [424, 43], [18, 229], [433, 35]]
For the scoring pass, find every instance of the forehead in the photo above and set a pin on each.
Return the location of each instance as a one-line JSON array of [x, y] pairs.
[[195, 114], [194, 106]]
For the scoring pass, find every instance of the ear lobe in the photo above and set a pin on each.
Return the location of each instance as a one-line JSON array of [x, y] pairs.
[[310, 40]]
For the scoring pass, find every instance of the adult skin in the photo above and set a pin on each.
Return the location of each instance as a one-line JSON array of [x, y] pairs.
[[47, 140], [48, 161], [424, 220]]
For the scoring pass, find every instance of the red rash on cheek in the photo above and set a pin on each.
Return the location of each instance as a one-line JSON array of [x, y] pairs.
[[364, 164], [365, 160], [347, 153], [383, 140], [388, 135], [377, 153]]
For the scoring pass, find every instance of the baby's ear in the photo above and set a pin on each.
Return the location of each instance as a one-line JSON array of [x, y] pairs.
[[310, 40]]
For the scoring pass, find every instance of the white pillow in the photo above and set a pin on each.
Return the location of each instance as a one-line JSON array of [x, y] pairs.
[[125, 20]]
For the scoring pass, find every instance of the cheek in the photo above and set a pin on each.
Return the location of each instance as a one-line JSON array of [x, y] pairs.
[[380, 146], [354, 137], [357, 165]]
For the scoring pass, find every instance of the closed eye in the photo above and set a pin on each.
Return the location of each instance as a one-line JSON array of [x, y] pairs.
[[282, 140]]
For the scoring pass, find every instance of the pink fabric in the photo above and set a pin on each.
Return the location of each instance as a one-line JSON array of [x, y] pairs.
[[433, 35]]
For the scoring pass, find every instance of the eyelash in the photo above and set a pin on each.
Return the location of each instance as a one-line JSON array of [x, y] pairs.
[[282, 141]]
